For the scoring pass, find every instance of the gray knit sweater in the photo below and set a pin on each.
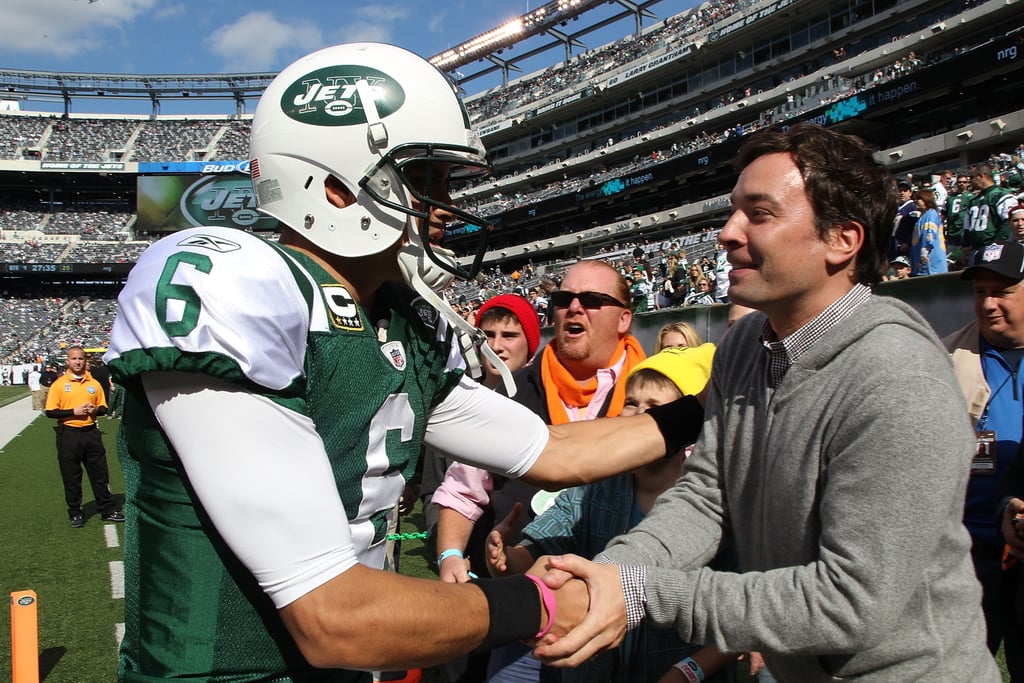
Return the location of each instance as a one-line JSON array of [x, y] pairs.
[[843, 489]]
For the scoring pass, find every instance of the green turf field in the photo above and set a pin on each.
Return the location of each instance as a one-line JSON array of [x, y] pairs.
[[8, 394], [69, 568]]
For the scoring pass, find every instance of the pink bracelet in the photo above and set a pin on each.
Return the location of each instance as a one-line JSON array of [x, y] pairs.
[[548, 598]]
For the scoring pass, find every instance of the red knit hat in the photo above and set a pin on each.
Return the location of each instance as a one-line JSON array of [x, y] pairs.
[[523, 311]]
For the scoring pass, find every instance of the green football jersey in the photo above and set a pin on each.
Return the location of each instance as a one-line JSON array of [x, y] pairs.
[[956, 211], [987, 218], [227, 304]]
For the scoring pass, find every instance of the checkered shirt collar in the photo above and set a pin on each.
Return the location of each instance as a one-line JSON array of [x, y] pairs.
[[782, 353]]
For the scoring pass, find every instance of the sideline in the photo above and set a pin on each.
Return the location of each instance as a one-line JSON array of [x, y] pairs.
[[14, 418]]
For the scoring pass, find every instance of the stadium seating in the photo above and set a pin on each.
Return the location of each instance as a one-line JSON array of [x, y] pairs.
[[539, 159]]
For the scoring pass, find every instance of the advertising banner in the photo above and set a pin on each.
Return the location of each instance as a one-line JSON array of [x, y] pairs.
[[168, 203], [204, 167]]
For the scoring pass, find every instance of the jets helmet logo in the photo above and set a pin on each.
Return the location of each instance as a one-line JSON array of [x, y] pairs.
[[329, 96]]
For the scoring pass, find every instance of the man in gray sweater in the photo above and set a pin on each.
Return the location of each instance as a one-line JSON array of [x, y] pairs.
[[834, 454]]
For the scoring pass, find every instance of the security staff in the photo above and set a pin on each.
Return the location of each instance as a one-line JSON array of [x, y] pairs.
[[76, 399]]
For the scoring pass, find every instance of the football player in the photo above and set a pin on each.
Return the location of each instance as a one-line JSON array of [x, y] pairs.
[[988, 214], [278, 396]]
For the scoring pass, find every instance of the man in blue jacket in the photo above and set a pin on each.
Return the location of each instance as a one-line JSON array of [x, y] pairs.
[[986, 356]]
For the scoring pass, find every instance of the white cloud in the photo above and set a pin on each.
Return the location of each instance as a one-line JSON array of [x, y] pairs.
[[364, 32], [383, 14], [374, 23], [65, 28], [167, 10], [437, 23], [259, 41]]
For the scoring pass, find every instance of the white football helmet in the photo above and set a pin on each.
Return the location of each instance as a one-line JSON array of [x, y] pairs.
[[364, 113], [361, 112]]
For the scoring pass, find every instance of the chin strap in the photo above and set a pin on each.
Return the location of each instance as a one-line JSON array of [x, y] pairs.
[[425, 277]]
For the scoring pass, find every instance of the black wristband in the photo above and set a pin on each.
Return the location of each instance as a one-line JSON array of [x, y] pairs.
[[513, 605], [680, 422]]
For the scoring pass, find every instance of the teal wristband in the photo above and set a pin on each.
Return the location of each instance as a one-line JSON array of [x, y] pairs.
[[451, 552]]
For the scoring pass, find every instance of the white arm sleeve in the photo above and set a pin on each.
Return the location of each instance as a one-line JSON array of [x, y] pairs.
[[263, 477], [481, 427]]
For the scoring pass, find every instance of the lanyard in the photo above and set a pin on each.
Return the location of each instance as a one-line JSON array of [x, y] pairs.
[[983, 420]]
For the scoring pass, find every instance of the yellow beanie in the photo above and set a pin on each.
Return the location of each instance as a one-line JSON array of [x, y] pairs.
[[689, 368]]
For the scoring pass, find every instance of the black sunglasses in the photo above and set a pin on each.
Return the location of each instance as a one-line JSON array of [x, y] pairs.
[[592, 300]]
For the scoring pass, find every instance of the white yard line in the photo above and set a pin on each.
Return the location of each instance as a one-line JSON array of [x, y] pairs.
[[110, 533], [14, 418], [117, 580]]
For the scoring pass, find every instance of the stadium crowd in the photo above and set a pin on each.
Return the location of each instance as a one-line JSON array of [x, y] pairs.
[[37, 326], [691, 27], [660, 273], [593, 63], [113, 220], [832, 89], [121, 139]]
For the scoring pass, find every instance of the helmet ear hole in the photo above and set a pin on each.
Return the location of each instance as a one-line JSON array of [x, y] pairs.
[[338, 193], [309, 181]]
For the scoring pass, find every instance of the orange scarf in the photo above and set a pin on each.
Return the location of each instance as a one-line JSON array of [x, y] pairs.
[[561, 387]]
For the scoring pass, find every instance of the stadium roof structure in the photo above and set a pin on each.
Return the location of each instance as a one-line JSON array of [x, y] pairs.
[[154, 87], [545, 20], [245, 87]]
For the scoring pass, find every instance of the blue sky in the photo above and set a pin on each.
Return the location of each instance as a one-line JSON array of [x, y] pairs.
[[218, 36]]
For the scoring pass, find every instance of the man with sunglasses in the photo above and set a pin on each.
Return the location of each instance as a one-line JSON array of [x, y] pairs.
[[574, 378]]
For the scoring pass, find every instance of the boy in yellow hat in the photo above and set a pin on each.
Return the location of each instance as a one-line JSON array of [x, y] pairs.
[[583, 519]]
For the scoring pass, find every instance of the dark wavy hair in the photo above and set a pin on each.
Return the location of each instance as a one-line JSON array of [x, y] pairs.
[[843, 181]]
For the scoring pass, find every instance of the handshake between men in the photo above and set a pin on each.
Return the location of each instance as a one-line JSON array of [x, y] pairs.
[[596, 618]]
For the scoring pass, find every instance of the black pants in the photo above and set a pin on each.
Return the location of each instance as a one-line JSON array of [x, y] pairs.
[[998, 601], [84, 446]]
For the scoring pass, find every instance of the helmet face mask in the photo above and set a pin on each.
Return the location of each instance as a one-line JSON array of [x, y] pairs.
[[424, 171]]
